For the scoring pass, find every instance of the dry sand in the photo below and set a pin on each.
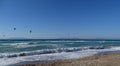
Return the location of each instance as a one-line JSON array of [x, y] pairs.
[[96, 60]]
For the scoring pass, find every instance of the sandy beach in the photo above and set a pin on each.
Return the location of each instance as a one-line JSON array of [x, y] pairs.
[[112, 59]]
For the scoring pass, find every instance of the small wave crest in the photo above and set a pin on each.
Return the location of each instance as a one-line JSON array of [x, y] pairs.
[[27, 44]]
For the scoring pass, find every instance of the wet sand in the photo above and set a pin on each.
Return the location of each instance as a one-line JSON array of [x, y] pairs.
[[112, 59]]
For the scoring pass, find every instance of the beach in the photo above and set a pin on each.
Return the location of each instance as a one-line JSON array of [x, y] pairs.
[[112, 59]]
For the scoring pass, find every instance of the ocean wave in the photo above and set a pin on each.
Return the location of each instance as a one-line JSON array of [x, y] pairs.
[[28, 44], [14, 44], [45, 57], [50, 51], [68, 41], [51, 43], [54, 54]]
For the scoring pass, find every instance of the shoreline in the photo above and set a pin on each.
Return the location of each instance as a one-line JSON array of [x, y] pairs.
[[109, 59]]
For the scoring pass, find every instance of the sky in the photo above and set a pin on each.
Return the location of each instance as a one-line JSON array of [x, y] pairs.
[[60, 18]]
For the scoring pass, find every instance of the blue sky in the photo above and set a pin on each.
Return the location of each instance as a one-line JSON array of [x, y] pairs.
[[60, 18]]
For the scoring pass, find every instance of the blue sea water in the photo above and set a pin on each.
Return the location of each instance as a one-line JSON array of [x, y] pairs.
[[14, 51]]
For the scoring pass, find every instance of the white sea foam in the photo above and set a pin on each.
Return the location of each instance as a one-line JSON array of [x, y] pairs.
[[26, 44], [14, 44], [55, 56], [35, 45], [17, 45], [44, 57], [115, 48]]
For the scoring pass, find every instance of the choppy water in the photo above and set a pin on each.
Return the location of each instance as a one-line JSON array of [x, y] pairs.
[[16, 51]]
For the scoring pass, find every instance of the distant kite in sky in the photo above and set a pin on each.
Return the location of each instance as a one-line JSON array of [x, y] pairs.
[[30, 31], [14, 28]]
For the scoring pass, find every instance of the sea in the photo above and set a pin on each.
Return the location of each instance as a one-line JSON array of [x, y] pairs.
[[15, 51]]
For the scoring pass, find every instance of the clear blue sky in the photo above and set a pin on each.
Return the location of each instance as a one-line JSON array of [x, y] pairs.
[[60, 18]]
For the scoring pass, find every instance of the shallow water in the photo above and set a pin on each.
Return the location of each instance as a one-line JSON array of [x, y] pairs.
[[17, 51]]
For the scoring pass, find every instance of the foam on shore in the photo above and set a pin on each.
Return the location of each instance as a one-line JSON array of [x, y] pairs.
[[4, 61]]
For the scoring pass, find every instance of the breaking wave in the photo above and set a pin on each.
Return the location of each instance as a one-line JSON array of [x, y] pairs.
[[58, 50]]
